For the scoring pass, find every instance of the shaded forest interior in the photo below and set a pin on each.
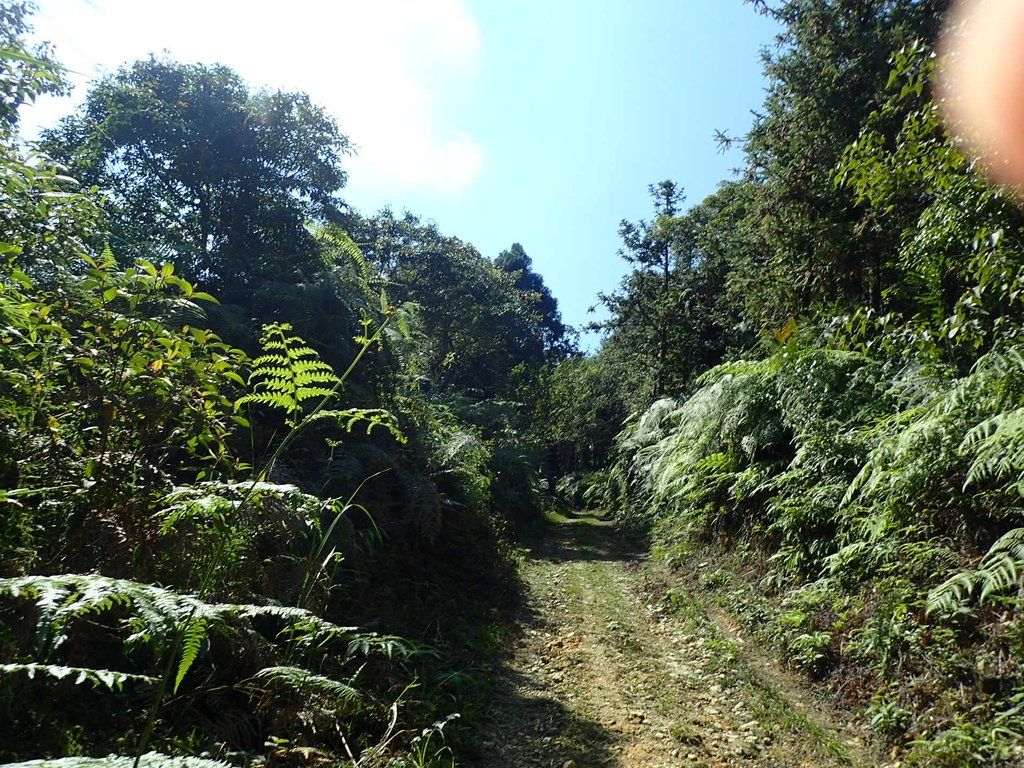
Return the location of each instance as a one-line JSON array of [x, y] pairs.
[[267, 462]]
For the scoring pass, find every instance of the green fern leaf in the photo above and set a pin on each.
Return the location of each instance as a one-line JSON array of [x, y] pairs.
[[108, 678], [998, 572], [192, 641], [160, 614], [304, 681], [371, 417], [288, 374]]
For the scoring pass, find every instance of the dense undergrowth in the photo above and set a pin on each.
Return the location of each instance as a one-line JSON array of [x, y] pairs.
[[828, 435], [877, 506], [126, 465], [273, 528]]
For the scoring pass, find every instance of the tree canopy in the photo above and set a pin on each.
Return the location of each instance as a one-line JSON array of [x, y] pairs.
[[203, 172]]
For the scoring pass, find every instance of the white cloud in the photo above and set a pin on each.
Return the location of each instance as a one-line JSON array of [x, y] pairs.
[[391, 71]]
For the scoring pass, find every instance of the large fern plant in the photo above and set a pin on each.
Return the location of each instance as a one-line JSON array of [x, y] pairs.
[[165, 621], [288, 374], [290, 377], [316, 669], [999, 571]]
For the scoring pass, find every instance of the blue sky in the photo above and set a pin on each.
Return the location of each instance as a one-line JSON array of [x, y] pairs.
[[533, 122]]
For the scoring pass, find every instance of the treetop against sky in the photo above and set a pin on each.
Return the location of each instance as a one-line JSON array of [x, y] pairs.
[[534, 122]]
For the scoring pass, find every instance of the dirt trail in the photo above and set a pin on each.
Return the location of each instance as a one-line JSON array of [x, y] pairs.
[[604, 674]]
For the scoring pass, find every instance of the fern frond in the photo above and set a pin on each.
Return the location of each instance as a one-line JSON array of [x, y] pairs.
[[912, 448], [159, 614], [288, 374], [349, 418], [282, 401], [61, 598], [955, 437], [208, 500], [303, 681], [302, 627], [998, 447], [998, 572], [192, 640], [308, 393], [178, 312], [389, 646], [108, 678]]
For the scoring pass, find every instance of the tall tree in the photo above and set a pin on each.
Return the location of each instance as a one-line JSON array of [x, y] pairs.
[[644, 309], [478, 325], [579, 413], [41, 215], [515, 262], [206, 173], [826, 73]]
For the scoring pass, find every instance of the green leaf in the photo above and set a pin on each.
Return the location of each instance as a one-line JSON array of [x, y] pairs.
[[192, 641], [108, 678]]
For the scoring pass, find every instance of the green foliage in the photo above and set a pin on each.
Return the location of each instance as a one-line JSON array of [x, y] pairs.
[[109, 397], [555, 336], [184, 632], [478, 324], [106, 678], [26, 74], [123, 422], [288, 374], [998, 572], [648, 313], [833, 448], [426, 753], [578, 414], [856, 480], [841, 333], [954, 269], [304, 682], [158, 615], [224, 525], [998, 740], [826, 75], [996, 443], [756, 434], [221, 182]]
